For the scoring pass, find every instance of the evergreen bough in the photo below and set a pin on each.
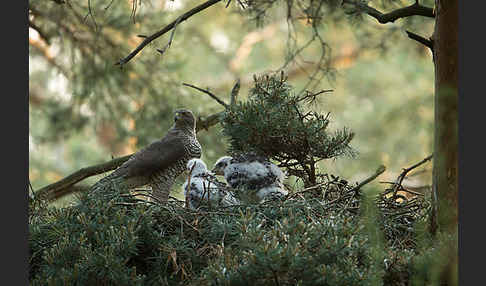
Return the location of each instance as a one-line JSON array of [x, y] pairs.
[[275, 123]]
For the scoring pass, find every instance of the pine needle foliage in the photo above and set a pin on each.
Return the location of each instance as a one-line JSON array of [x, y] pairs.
[[302, 239], [275, 122]]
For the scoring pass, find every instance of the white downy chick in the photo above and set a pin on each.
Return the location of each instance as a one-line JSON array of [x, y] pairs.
[[205, 189]]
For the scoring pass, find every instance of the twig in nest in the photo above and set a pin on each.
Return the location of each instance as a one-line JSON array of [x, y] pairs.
[[308, 189], [378, 172], [208, 93], [401, 177], [401, 189], [143, 195]]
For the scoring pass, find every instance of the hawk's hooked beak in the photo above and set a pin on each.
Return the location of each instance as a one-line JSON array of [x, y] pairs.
[[176, 116]]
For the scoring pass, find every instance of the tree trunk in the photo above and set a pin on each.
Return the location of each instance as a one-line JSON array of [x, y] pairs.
[[445, 47]]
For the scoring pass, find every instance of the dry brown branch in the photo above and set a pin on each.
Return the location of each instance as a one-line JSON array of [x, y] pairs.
[[166, 29]]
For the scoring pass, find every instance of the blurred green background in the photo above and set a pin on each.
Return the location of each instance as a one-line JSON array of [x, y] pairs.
[[84, 110]]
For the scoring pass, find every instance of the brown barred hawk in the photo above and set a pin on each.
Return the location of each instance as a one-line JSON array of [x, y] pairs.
[[160, 163]]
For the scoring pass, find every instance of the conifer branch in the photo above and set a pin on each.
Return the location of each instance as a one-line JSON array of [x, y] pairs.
[[166, 29], [415, 9]]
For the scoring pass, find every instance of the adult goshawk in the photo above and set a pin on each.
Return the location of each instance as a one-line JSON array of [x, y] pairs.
[[160, 163]]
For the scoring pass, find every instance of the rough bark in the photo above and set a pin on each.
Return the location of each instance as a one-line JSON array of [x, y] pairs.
[[445, 168]]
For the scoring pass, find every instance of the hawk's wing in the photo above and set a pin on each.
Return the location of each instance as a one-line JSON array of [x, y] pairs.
[[158, 155]]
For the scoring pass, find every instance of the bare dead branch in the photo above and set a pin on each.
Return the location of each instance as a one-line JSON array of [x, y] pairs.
[[81, 175], [166, 29], [413, 10], [208, 93], [427, 42]]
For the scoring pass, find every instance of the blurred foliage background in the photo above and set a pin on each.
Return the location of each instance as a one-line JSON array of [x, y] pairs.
[[85, 110]]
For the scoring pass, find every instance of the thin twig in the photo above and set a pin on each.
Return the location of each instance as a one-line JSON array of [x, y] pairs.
[[91, 14], [208, 93], [134, 10], [162, 51], [241, 4], [308, 189], [167, 28], [109, 4]]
